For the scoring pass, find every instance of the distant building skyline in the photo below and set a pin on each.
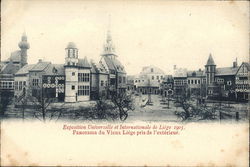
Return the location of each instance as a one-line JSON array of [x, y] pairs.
[[162, 35]]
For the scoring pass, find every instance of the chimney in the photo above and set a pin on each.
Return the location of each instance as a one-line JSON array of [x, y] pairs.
[[40, 60], [199, 69], [235, 64], [175, 67]]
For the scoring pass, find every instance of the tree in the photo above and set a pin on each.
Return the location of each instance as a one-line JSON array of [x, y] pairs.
[[5, 100], [39, 99], [116, 106], [124, 103]]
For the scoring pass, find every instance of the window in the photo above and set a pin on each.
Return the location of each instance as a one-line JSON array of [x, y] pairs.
[[192, 81], [157, 77], [24, 83], [34, 82], [68, 63], [153, 77], [73, 53], [74, 64], [219, 80], [10, 85], [229, 83], [102, 83], [83, 77], [195, 81], [210, 92], [73, 87], [20, 85], [68, 53], [152, 70], [73, 73], [188, 81], [124, 79], [120, 79], [161, 77], [199, 81], [16, 85], [6, 84], [83, 90]]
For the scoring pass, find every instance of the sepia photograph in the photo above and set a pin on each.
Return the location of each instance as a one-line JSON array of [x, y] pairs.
[[124, 83]]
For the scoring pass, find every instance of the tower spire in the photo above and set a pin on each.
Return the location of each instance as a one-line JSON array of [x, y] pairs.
[[108, 46]]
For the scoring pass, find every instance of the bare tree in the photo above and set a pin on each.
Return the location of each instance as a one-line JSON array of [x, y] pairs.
[[124, 103], [40, 101]]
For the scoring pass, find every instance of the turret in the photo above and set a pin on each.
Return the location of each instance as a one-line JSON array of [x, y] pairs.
[[24, 46], [71, 58], [210, 69]]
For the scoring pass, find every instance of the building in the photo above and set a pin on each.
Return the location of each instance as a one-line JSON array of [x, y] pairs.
[[109, 61], [242, 88], [167, 86], [21, 81], [77, 76], [17, 60], [180, 81], [196, 81], [220, 81], [40, 80], [99, 81], [149, 80], [130, 83]]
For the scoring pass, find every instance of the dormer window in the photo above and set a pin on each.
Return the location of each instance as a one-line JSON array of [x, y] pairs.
[[54, 70]]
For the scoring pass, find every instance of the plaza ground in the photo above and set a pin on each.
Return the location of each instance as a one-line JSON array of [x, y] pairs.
[[158, 111]]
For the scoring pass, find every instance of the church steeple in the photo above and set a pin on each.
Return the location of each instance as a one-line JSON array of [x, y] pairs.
[[24, 46], [108, 46]]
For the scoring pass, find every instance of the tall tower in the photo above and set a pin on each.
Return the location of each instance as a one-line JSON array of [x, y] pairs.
[[71, 72], [108, 47], [71, 58], [210, 69], [24, 46]]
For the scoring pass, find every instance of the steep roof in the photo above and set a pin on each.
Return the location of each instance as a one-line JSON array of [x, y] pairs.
[[210, 61], [84, 63], [226, 71], [198, 73], [40, 66], [97, 68], [55, 69], [109, 63], [247, 65], [114, 64], [25, 69], [10, 68]]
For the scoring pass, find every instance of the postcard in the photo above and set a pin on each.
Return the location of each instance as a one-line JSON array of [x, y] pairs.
[[124, 83]]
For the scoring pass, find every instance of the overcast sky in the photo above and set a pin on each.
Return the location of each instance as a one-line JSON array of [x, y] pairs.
[[160, 33]]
